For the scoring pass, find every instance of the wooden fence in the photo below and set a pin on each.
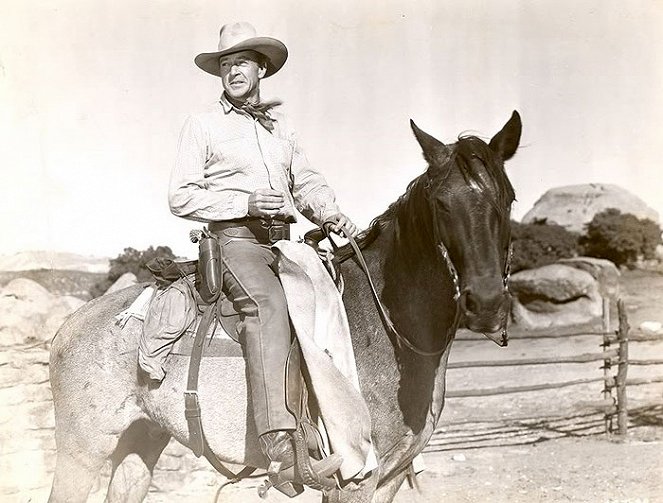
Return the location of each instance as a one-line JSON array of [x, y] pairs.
[[615, 363]]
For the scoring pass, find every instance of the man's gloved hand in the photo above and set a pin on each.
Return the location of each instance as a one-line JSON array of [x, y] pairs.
[[343, 224], [266, 203]]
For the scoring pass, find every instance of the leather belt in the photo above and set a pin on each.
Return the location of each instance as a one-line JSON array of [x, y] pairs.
[[262, 230]]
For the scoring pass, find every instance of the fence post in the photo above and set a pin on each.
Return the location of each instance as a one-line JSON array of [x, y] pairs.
[[607, 390], [622, 335]]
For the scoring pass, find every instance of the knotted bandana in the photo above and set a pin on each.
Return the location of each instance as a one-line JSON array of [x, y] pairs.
[[259, 111]]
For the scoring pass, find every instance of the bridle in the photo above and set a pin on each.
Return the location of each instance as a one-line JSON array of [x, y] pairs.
[[458, 296]]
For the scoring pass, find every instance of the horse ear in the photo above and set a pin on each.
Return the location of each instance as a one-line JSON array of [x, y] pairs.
[[506, 141], [433, 149]]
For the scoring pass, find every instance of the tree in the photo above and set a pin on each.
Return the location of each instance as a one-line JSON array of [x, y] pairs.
[[621, 238], [133, 261], [540, 243]]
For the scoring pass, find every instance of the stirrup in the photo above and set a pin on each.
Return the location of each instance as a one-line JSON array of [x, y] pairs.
[[291, 480], [317, 474]]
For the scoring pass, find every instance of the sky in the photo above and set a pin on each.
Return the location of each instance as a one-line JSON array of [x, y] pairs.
[[93, 95]]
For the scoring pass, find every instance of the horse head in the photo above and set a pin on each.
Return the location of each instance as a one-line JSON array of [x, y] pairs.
[[469, 197]]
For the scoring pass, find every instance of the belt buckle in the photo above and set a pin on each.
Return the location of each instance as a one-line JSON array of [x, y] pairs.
[[276, 233]]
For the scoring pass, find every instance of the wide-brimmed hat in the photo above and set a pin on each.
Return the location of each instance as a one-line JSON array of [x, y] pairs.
[[236, 37]]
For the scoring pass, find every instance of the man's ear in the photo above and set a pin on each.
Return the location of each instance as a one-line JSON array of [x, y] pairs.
[[262, 70]]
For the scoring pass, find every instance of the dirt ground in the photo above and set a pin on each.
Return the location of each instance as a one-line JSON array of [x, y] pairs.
[[543, 446]]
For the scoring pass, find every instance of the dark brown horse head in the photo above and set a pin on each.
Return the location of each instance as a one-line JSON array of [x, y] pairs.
[[470, 197]]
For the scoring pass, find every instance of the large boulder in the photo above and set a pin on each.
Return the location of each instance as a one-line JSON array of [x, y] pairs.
[[30, 313], [574, 206], [603, 271], [553, 296]]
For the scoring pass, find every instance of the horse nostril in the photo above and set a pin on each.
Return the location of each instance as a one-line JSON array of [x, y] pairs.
[[471, 304]]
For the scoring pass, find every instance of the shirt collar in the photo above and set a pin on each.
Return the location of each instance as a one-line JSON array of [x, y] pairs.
[[225, 104]]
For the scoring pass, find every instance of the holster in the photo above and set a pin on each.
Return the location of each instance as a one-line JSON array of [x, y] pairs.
[[209, 275]]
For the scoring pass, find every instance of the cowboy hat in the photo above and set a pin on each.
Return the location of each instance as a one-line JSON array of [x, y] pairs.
[[238, 37]]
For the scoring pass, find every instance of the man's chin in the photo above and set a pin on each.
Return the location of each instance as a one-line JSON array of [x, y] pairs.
[[237, 93]]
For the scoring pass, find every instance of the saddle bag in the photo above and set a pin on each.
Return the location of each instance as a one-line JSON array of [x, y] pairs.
[[209, 275], [166, 270]]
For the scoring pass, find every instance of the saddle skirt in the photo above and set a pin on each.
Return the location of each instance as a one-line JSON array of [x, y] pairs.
[[171, 316]]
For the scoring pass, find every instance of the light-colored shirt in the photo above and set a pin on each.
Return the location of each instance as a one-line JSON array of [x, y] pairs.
[[224, 155]]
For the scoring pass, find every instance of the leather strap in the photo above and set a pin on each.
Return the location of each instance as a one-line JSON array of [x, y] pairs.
[[264, 231], [191, 403], [388, 324], [197, 440], [314, 236]]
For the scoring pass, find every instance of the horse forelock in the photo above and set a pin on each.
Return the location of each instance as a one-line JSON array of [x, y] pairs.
[[472, 156]]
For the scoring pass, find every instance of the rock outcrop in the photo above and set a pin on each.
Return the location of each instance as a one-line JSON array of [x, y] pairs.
[[29, 313], [554, 296], [31, 260], [603, 271], [29, 317], [574, 206]]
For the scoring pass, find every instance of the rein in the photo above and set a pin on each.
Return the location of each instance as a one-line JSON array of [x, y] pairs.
[[388, 324], [457, 296]]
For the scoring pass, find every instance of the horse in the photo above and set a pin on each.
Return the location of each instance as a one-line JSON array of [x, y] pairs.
[[438, 256]]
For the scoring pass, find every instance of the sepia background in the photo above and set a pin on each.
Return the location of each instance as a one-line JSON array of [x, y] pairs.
[[93, 96]]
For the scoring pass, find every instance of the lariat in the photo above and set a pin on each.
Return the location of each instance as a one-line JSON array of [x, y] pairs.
[[259, 111]]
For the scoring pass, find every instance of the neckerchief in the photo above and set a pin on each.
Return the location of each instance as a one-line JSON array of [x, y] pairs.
[[259, 111]]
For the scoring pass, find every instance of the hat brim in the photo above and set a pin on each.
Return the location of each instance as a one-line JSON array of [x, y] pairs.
[[274, 50]]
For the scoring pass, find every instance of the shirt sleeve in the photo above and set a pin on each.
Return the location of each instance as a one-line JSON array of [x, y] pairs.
[[189, 195], [313, 197]]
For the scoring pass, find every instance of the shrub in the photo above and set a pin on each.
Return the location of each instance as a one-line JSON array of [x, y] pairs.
[[540, 243], [131, 260], [621, 237]]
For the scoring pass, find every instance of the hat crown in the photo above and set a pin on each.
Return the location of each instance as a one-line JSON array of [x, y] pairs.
[[233, 33]]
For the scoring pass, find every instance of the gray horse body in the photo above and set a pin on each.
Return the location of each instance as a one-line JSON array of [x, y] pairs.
[[105, 410], [112, 405]]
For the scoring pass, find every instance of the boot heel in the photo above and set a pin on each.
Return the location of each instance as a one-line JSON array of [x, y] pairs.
[[287, 487], [290, 489]]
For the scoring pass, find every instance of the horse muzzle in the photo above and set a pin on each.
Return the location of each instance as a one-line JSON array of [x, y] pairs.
[[487, 315]]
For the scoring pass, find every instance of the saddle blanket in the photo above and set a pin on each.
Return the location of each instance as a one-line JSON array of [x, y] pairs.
[[320, 323]]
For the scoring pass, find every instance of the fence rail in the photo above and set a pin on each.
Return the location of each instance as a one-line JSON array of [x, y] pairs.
[[614, 402]]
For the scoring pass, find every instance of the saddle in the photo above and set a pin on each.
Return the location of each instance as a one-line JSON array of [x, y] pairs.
[[218, 309]]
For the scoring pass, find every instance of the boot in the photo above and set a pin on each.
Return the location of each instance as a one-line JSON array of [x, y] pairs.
[[277, 446]]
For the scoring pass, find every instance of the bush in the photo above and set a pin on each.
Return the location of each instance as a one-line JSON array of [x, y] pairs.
[[131, 260], [539, 243], [621, 238]]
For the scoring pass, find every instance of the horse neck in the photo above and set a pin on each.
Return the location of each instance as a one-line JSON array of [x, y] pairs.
[[418, 288], [401, 387]]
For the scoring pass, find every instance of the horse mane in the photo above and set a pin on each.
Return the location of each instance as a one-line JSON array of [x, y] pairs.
[[412, 211]]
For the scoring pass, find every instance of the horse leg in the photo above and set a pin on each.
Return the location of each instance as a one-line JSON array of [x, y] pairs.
[[387, 492], [134, 459], [363, 492], [82, 451], [366, 492], [73, 477]]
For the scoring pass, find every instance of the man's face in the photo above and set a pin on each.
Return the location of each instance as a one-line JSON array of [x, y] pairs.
[[241, 74]]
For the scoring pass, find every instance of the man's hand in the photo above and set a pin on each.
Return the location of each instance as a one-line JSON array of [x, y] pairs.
[[266, 203], [343, 225]]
